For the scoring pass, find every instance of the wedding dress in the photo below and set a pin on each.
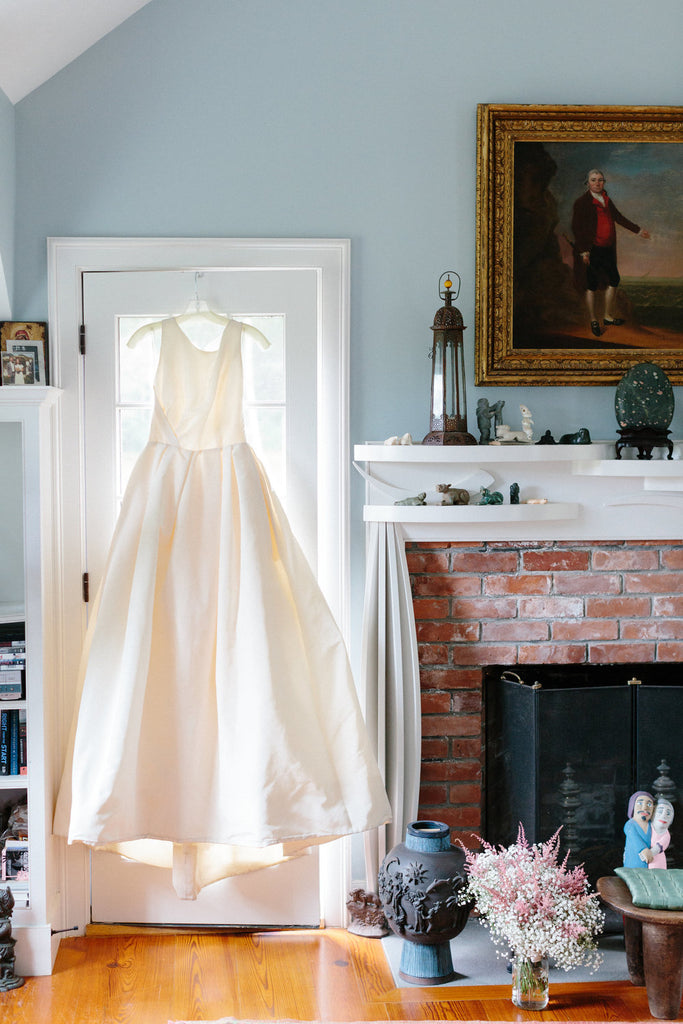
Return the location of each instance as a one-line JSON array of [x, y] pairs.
[[218, 728]]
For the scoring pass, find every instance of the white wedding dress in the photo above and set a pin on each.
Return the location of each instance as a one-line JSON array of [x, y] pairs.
[[218, 729]]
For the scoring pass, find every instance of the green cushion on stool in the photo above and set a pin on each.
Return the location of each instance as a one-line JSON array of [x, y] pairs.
[[656, 888]]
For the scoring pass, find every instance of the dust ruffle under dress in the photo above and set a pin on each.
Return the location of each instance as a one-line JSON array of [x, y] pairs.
[[218, 728]]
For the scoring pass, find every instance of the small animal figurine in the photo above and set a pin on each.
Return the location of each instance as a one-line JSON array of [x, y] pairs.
[[453, 495], [514, 494], [504, 435], [490, 497], [638, 830], [581, 436], [527, 423], [661, 819], [547, 438], [419, 499], [367, 915]]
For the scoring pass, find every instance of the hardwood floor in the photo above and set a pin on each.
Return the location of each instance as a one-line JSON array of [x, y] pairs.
[[327, 975]]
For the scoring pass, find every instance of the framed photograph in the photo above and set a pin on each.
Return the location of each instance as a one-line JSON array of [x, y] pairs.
[[579, 243], [23, 351], [15, 860]]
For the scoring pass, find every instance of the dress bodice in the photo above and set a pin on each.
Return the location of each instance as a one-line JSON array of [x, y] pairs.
[[198, 393]]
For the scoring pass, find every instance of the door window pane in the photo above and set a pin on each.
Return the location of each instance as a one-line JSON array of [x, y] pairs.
[[264, 396]]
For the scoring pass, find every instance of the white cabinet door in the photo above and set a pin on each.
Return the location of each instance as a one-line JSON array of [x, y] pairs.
[[281, 418]]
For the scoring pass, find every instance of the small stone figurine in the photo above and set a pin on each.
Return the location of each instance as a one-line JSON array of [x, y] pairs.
[[638, 830], [367, 915], [486, 415], [522, 436], [8, 979], [395, 439], [490, 497], [581, 436], [661, 820], [453, 495], [418, 499]]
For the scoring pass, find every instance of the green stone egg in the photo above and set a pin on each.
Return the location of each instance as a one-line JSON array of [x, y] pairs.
[[644, 398]]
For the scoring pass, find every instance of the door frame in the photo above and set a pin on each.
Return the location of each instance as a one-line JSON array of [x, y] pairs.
[[68, 260]]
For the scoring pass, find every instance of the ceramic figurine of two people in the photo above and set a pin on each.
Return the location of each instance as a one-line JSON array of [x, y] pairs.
[[647, 831]]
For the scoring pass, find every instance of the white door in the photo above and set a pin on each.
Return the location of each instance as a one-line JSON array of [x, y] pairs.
[[280, 413]]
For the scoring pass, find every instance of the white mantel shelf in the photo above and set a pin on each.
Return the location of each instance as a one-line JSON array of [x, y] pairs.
[[590, 494], [588, 458], [456, 514]]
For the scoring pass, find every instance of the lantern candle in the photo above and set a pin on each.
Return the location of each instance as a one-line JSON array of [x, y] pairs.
[[448, 410]]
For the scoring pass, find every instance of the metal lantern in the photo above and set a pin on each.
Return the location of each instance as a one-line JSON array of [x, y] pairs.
[[448, 412]]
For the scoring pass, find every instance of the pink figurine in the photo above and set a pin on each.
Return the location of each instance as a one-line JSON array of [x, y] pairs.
[[661, 820]]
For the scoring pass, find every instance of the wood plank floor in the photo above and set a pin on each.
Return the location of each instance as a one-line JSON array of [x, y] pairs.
[[327, 975]]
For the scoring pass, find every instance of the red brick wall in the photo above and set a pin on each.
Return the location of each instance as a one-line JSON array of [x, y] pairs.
[[523, 603]]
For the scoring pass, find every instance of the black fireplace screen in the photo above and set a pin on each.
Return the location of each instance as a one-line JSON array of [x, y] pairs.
[[567, 745]]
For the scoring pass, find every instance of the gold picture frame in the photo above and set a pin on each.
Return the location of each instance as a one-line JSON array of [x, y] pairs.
[[533, 311]]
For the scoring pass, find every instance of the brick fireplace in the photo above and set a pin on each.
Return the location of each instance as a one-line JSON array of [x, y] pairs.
[[521, 603], [586, 570]]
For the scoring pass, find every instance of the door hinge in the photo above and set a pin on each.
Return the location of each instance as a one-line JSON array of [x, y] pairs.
[[81, 339], [86, 587]]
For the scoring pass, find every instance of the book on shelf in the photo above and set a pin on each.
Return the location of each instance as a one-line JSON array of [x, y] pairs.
[[13, 752], [14, 742], [23, 751], [13, 632], [12, 661], [11, 684], [4, 742]]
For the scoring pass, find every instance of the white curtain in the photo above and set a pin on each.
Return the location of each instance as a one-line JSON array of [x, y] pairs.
[[391, 685]]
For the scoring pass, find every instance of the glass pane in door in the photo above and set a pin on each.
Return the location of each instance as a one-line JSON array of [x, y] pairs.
[[264, 396]]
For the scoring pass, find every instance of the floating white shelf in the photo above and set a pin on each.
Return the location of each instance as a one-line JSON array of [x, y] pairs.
[[591, 494], [659, 475], [469, 513], [480, 454], [666, 468]]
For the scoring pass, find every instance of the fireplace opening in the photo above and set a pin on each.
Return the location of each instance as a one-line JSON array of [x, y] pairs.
[[566, 745]]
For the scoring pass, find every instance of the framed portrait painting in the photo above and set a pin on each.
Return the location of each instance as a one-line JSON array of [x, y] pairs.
[[23, 352], [579, 243]]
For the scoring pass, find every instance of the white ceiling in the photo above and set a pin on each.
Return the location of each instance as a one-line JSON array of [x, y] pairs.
[[40, 37]]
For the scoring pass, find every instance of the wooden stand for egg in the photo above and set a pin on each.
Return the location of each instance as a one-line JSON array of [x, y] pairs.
[[448, 410]]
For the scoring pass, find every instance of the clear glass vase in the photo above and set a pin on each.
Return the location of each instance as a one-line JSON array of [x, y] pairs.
[[530, 983]]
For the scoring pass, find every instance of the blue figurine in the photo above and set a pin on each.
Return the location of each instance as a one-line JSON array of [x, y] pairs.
[[638, 830]]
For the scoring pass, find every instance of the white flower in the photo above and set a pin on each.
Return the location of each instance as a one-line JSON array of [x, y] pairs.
[[533, 904]]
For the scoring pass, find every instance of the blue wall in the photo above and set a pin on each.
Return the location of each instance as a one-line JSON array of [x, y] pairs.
[[7, 199], [320, 118]]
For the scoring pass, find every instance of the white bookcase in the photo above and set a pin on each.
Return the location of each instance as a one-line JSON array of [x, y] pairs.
[[27, 588]]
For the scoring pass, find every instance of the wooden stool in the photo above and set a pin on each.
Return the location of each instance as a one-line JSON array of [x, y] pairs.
[[654, 948]]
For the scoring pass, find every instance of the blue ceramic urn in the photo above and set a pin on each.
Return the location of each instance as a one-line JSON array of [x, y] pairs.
[[419, 884]]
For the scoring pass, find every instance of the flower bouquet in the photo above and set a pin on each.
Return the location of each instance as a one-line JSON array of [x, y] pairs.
[[537, 908]]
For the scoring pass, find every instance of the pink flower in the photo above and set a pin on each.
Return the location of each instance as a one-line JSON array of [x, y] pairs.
[[533, 902]]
